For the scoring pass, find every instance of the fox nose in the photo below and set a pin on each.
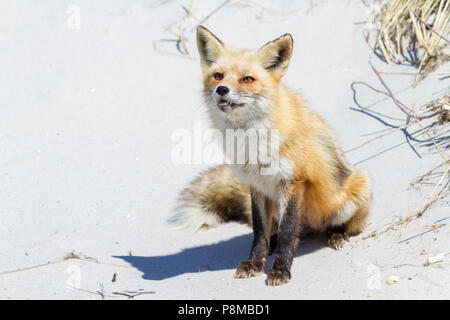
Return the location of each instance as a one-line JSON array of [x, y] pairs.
[[222, 90]]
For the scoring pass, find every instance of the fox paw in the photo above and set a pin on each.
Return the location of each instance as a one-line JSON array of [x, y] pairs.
[[277, 277], [336, 239], [248, 269]]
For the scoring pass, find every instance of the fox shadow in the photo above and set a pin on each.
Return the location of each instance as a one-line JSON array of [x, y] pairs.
[[223, 255]]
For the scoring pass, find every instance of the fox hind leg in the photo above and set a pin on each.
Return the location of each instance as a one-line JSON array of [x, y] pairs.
[[337, 235], [351, 218], [358, 221]]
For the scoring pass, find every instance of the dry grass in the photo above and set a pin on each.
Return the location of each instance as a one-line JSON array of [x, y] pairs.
[[413, 30], [442, 107]]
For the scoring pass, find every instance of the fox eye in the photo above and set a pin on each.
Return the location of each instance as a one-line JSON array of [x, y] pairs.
[[218, 76], [247, 79]]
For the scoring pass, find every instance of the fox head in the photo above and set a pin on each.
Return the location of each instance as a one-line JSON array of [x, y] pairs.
[[240, 84]]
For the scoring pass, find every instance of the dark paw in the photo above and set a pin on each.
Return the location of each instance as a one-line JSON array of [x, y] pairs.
[[336, 239], [248, 269], [277, 277]]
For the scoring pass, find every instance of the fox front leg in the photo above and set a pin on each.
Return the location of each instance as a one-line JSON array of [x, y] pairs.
[[287, 239], [254, 266]]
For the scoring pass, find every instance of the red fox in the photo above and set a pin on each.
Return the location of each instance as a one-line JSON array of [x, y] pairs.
[[313, 188]]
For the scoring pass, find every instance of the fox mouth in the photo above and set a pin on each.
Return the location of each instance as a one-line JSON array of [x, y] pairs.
[[227, 105]]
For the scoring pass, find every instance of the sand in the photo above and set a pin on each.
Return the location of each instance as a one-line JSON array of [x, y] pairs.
[[89, 100]]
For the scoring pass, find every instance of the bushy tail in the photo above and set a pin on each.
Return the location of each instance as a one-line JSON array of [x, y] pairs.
[[215, 197]]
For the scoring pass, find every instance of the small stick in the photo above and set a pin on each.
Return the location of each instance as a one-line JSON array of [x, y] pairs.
[[102, 290], [412, 73], [400, 105], [130, 295], [428, 198], [70, 255], [418, 180], [431, 28], [91, 292]]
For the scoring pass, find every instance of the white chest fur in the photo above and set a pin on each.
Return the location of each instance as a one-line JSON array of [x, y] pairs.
[[257, 163], [267, 178]]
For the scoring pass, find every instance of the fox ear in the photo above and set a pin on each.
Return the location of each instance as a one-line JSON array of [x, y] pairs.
[[275, 55], [209, 46]]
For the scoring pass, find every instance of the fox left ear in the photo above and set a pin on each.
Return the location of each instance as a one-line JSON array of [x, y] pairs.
[[275, 55], [209, 46]]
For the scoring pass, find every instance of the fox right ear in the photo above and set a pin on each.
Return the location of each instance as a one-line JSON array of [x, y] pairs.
[[275, 55], [209, 46]]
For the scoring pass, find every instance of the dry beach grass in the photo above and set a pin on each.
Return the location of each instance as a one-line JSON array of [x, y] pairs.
[[413, 30]]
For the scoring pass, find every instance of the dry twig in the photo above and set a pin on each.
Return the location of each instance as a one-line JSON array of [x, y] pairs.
[[68, 256]]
